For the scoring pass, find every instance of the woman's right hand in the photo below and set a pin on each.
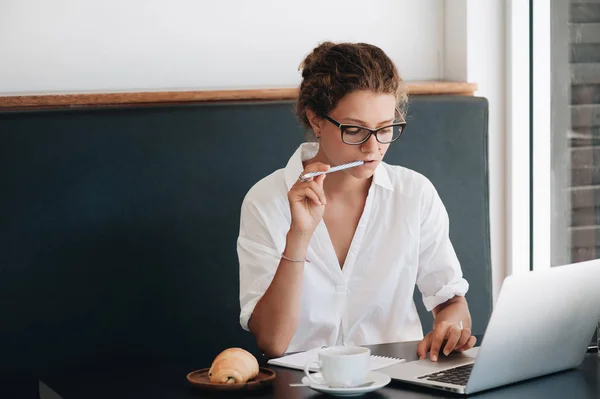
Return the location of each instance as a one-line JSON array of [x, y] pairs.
[[307, 200]]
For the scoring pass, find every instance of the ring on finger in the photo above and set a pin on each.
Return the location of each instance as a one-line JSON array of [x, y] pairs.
[[459, 326], [302, 179], [454, 326]]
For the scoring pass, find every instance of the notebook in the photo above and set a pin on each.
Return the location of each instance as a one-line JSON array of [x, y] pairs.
[[300, 359]]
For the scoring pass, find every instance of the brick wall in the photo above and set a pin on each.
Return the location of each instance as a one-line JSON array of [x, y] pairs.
[[584, 136]]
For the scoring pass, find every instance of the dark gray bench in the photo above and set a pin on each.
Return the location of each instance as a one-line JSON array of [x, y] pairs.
[[119, 225]]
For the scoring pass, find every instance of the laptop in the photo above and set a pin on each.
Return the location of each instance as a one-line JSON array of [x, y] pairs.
[[542, 323]]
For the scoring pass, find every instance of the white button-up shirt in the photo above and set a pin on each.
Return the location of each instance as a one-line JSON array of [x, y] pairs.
[[401, 241]]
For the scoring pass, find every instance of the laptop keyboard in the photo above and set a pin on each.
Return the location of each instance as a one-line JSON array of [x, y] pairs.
[[457, 375]]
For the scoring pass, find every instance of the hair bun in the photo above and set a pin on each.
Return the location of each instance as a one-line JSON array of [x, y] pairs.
[[314, 58]]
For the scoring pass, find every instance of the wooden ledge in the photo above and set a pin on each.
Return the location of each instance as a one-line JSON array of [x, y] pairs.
[[138, 98]]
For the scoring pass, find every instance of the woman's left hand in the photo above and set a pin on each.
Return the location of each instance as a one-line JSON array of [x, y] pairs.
[[445, 337]]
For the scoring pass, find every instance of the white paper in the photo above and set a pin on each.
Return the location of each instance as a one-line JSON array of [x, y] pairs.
[[299, 360]]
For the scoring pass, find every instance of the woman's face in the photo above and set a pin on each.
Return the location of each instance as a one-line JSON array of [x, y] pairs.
[[364, 108]]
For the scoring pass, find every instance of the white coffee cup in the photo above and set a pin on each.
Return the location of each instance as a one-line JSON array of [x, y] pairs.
[[341, 366]]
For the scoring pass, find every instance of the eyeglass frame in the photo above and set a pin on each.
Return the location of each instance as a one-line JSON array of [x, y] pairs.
[[372, 132]]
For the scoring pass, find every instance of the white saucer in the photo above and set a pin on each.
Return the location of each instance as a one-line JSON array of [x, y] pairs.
[[379, 381]]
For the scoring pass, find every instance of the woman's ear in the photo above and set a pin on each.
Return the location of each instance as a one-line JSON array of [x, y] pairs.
[[315, 121]]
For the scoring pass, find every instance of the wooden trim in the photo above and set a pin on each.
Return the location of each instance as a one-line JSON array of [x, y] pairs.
[[441, 87], [140, 98]]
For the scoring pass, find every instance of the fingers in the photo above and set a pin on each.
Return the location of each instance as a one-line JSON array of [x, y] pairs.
[[470, 343], [445, 338], [464, 337], [437, 338], [436, 343], [310, 190], [453, 336], [314, 191], [311, 195], [423, 347], [319, 179]]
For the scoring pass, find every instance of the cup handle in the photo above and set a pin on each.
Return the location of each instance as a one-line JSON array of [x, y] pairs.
[[314, 380]]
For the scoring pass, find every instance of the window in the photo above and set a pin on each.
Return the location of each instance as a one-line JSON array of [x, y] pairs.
[[565, 139], [574, 130]]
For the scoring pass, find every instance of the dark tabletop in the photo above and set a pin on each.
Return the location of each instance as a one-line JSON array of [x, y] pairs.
[[168, 381]]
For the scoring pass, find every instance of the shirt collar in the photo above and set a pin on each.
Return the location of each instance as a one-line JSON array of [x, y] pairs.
[[309, 150]]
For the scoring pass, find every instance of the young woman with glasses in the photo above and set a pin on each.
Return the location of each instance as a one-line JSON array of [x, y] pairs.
[[334, 259]]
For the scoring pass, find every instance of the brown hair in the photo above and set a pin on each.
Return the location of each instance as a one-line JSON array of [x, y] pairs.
[[332, 71]]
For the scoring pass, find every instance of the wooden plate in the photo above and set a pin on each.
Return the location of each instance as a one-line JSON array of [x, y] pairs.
[[199, 379]]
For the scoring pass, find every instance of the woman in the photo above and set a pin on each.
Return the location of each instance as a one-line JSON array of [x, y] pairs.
[[334, 259]]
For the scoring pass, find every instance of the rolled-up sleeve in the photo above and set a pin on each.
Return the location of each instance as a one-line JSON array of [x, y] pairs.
[[258, 259], [439, 277]]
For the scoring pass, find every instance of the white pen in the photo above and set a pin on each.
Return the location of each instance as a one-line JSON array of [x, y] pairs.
[[307, 176]]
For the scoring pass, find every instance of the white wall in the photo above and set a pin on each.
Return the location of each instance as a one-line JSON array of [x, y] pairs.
[[486, 66], [518, 144], [109, 45]]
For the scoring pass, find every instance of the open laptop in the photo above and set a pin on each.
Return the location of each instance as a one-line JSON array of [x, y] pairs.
[[542, 323]]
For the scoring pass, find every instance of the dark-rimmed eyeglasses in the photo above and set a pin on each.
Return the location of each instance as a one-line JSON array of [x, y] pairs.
[[355, 134]]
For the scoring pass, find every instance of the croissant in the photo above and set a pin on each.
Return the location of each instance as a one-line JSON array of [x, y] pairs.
[[233, 366]]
